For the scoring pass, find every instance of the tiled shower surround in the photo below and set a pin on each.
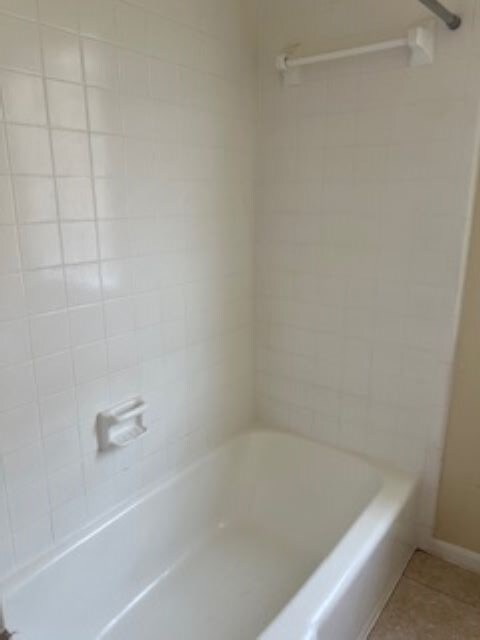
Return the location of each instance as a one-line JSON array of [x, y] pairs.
[[127, 251], [364, 208], [126, 211]]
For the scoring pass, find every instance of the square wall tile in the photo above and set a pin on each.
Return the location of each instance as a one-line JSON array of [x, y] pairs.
[[134, 73], [173, 304], [19, 427], [59, 13], [83, 284], [131, 24], [58, 412], [122, 352], [40, 245], [66, 102], [75, 198], [115, 239], [92, 397], [97, 19], [54, 373], [79, 242], [101, 64], [71, 153], [29, 150], [119, 317], [9, 253], [140, 162], [151, 342], [108, 156], [7, 207], [19, 45], [104, 110], [356, 367], [62, 449], [165, 81], [163, 38], [65, 484], [4, 515], [148, 309], [23, 98], [87, 324], [117, 278], [69, 517], [35, 199], [27, 505], [90, 362], [17, 386], [14, 343], [23, 466], [110, 196], [50, 333], [45, 290], [4, 165], [62, 55], [12, 297]]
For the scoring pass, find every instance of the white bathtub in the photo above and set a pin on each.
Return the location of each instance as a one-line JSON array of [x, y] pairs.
[[270, 536]]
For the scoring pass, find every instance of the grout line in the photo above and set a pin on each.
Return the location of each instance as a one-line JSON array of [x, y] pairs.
[[24, 318], [61, 244], [123, 137], [31, 361]]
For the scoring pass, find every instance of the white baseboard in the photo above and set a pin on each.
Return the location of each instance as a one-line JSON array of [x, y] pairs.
[[456, 555]]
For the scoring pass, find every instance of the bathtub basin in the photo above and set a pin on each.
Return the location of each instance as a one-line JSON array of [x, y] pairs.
[[270, 536]]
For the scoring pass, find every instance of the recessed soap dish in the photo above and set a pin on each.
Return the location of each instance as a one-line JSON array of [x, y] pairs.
[[122, 424]]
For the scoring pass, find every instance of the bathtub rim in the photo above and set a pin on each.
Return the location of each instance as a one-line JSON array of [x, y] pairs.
[[13, 582], [302, 615]]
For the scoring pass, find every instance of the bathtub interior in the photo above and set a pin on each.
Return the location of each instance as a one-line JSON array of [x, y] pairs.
[[230, 540]]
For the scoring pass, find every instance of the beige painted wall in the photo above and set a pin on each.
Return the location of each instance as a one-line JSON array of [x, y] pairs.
[[458, 516]]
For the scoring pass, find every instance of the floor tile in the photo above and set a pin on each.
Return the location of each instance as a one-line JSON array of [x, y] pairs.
[[445, 577], [416, 612]]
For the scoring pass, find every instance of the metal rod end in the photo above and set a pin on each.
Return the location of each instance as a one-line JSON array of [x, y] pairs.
[[454, 23]]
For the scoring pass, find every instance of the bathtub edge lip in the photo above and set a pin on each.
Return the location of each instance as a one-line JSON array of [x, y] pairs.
[[11, 583], [403, 486]]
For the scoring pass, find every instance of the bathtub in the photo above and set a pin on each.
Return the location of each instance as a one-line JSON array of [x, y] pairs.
[[270, 536]]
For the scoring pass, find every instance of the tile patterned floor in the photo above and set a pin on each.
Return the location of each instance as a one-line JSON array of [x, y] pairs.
[[434, 600]]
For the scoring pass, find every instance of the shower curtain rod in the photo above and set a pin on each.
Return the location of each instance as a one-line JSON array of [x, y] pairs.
[[420, 40], [451, 19]]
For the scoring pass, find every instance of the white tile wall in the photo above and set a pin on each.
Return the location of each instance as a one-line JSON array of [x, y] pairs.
[[363, 211], [126, 164], [126, 252]]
